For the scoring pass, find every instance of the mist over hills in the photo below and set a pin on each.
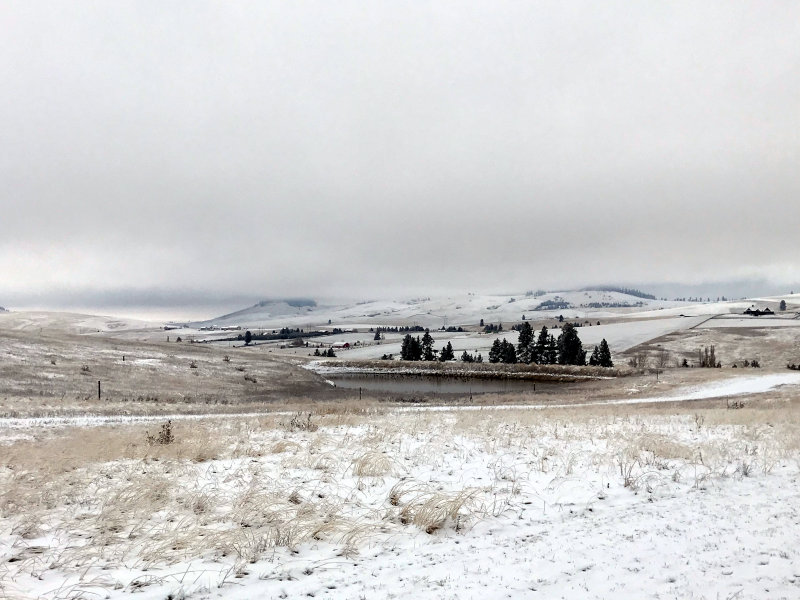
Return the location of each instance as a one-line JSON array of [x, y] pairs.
[[201, 305], [436, 311]]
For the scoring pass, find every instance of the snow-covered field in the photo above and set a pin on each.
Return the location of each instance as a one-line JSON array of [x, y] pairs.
[[620, 336], [632, 488], [751, 322], [585, 503]]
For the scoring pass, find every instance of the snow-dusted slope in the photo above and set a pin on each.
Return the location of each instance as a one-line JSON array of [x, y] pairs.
[[434, 312], [71, 322]]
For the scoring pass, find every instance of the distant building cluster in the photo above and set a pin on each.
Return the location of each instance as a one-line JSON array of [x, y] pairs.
[[758, 312]]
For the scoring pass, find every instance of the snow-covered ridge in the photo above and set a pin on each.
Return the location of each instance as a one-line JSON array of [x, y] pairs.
[[434, 312]]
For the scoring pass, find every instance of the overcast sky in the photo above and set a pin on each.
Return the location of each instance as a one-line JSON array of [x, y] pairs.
[[370, 148]]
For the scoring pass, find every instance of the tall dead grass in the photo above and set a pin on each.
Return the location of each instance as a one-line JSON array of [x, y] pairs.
[[100, 498]]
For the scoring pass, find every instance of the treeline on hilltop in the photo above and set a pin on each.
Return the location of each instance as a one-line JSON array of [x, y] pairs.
[[621, 290], [397, 329], [285, 333], [545, 349]]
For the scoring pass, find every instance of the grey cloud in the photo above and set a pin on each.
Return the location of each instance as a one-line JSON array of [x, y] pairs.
[[311, 148]]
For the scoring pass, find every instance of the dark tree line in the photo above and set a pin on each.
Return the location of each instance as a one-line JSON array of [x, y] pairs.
[[621, 290], [546, 349], [471, 358], [414, 348], [419, 328]]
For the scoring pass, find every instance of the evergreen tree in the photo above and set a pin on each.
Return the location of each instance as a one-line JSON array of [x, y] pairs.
[[540, 348], [405, 348], [604, 355], [570, 349], [416, 349], [551, 351], [411, 348], [495, 353], [248, 337], [479, 358], [377, 334], [447, 353], [594, 359], [467, 357], [783, 305], [507, 352], [428, 353], [525, 343]]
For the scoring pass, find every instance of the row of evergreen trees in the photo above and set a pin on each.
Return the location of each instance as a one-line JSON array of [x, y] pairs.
[[547, 350], [414, 348], [544, 350]]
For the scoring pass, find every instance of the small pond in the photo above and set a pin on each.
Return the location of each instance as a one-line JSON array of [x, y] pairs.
[[422, 384]]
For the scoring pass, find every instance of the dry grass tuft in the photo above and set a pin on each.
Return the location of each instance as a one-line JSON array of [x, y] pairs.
[[374, 464], [432, 511]]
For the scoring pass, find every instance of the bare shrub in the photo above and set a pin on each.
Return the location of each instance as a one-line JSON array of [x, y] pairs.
[[745, 468], [164, 437], [627, 464], [662, 358], [699, 420], [638, 360], [300, 423]]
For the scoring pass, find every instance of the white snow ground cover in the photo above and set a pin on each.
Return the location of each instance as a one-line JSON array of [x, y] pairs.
[[751, 322], [49, 322], [433, 312], [601, 503], [620, 336]]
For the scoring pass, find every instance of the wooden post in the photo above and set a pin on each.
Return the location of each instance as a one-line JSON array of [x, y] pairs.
[[359, 393], [98, 389]]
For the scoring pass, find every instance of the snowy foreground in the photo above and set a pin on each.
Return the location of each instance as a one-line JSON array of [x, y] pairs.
[[612, 501]]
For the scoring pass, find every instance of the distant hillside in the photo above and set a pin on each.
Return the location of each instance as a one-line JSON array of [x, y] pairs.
[[266, 311], [451, 310], [295, 302], [621, 290], [3, 309]]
